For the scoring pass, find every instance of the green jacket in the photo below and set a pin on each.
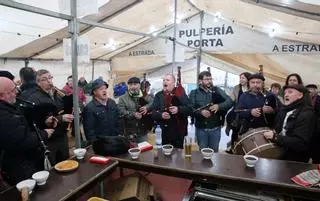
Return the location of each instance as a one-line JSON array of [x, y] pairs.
[[128, 106], [200, 98]]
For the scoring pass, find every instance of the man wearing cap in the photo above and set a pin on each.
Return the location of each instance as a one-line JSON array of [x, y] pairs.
[[294, 125], [129, 108], [101, 114], [256, 107]]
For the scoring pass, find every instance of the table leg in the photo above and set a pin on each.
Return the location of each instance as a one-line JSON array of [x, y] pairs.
[[121, 172], [101, 189]]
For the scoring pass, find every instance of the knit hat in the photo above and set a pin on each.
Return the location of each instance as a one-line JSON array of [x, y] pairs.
[[7, 74]]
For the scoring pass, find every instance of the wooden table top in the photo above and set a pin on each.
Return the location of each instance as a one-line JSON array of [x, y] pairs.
[[268, 175], [67, 186]]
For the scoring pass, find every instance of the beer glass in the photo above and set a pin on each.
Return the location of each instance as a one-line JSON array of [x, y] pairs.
[[187, 146]]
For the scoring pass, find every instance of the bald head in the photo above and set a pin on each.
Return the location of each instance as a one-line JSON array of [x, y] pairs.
[[168, 82], [8, 90]]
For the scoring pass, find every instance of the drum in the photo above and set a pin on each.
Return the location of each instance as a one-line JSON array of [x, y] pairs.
[[254, 143]]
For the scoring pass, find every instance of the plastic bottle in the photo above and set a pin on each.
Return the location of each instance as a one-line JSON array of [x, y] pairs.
[[158, 137]]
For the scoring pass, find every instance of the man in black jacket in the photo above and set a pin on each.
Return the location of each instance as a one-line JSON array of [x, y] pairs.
[[22, 154], [101, 114], [171, 111], [49, 115], [28, 80], [294, 125]]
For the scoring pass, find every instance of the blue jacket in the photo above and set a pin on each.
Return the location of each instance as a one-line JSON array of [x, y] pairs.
[[249, 101], [100, 120]]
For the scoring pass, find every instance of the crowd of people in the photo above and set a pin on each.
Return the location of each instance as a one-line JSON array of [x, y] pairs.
[[291, 112]]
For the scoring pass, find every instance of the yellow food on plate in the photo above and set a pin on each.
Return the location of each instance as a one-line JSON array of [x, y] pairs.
[[66, 165]]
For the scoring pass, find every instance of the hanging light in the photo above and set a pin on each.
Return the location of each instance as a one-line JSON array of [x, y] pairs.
[[273, 30], [217, 16]]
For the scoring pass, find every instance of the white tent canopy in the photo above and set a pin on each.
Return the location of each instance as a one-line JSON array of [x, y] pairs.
[[25, 35]]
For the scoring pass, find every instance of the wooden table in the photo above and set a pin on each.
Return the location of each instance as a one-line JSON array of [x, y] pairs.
[[268, 175], [67, 186]]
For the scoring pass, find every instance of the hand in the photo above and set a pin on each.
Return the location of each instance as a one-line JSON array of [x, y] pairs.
[[268, 135], [51, 122], [138, 115], [25, 194], [165, 115], [256, 112], [49, 132], [143, 110], [205, 113], [173, 109], [67, 118], [214, 108], [267, 109]]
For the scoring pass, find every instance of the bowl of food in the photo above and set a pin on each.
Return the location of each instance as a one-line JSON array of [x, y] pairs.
[[134, 153], [167, 149], [207, 153], [250, 160], [79, 153], [41, 177], [28, 183]]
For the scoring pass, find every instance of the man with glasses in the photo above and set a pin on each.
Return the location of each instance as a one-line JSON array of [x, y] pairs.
[[208, 120], [51, 108], [22, 155]]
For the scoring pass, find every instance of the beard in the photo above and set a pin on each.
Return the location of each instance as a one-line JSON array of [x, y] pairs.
[[135, 92]]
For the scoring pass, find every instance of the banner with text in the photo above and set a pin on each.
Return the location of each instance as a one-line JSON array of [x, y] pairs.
[[224, 36]]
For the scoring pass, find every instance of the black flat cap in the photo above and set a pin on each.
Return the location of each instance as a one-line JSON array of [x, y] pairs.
[[134, 80], [7, 74], [298, 87], [257, 76]]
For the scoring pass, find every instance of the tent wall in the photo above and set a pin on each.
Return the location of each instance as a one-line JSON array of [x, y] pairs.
[[59, 69]]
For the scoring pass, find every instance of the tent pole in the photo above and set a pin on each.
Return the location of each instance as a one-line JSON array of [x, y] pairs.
[[174, 37], [92, 77], [199, 56], [74, 30]]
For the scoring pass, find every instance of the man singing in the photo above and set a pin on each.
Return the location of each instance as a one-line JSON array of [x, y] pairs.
[[171, 111], [294, 125]]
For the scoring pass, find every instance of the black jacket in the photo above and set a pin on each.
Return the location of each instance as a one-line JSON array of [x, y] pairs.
[[22, 151], [47, 106], [299, 129], [100, 120], [171, 126]]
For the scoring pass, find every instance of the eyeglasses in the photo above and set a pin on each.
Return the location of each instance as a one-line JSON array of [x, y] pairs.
[[46, 79], [207, 79]]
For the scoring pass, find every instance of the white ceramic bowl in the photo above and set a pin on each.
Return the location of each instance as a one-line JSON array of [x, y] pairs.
[[167, 149], [207, 153], [250, 160], [41, 177], [79, 153], [134, 153], [29, 183]]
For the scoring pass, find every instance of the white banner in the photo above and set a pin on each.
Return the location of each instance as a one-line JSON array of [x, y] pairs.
[[83, 50], [223, 36]]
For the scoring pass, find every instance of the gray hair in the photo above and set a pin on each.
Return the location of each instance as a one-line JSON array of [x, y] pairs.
[[41, 72]]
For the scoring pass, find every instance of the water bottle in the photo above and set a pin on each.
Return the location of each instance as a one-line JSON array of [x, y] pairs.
[[158, 137]]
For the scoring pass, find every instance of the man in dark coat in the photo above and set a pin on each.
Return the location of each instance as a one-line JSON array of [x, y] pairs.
[[257, 106], [28, 82], [294, 125], [209, 120], [22, 154], [171, 111], [101, 114], [49, 115]]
